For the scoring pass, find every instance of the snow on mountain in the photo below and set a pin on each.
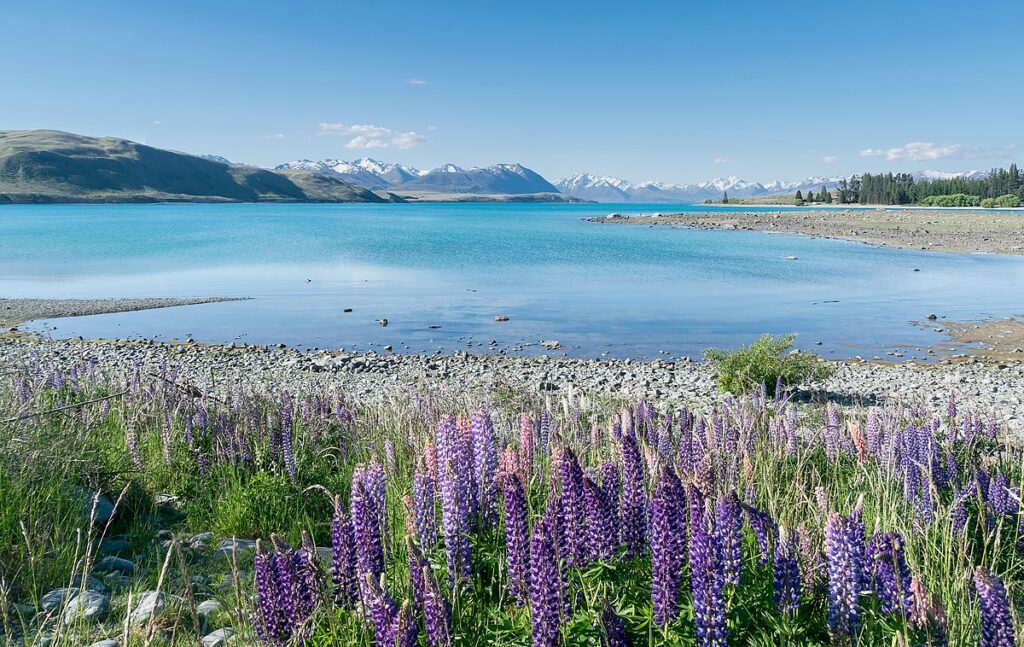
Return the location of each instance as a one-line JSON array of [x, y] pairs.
[[602, 188], [510, 179], [365, 172]]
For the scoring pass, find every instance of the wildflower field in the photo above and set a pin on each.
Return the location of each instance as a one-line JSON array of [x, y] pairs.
[[140, 508]]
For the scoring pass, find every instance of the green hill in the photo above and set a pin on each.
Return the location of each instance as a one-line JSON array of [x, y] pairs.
[[45, 166]]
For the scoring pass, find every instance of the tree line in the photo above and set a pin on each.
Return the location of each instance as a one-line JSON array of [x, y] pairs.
[[1002, 187]]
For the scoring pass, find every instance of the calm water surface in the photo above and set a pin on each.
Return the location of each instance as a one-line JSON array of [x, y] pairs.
[[622, 290]]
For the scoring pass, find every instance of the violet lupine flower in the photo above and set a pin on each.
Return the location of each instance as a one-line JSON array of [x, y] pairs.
[[668, 510], [485, 464], [271, 627], [132, 440], [526, 446], [845, 575], [517, 541], [786, 575], [764, 529], [571, 509], [424, 507], [602, 521], [729, 528], [366, 530], [545, 585], [416, 565], [706, 578], [343, 559], [996, 619], [406, 632], [633, 515], [613, 632], [437, 613], [310, 576], [888, 572], [454, 470], [287, 591], [165, 438], [287, 450], [383, 611]]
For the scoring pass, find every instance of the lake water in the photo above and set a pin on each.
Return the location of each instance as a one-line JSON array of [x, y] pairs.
[[596, 288]]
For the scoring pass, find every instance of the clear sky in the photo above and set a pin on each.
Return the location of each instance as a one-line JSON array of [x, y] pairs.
[[673, 91]]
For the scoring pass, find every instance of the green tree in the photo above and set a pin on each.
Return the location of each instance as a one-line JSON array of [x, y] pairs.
[[825, 196], [799, 196], [725, 197]]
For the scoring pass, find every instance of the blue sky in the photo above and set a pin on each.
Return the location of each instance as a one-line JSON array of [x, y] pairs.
[[675, 92]]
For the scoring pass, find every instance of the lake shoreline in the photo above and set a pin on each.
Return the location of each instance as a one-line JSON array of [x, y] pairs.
[[372, 376], [14, 312], [952, 230]]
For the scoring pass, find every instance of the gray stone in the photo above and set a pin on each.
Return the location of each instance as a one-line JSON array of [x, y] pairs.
[[112, 546], [208, 608], [200, 541], [57, 598], [218, 638], [88, 605], [239, 547], [109, 642], [113, 564], [151, 603]]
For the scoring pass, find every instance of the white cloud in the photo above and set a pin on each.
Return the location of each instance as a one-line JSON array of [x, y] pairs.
[[274, 136], [724, 160], [927, 151], [157, 122], [829, 159], [371, 136], [416, 82]]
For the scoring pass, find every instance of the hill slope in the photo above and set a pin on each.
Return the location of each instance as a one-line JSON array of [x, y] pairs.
[[510, 179], [39, 166]]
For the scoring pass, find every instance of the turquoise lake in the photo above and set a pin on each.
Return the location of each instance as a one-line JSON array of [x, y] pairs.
[[598, 289]]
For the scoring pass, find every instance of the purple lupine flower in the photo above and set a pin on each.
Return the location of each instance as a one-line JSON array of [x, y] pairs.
[[405, 631], [485, 464], [366, 530], [706, 578], [633, 515], [454, 468], [517, 541], [764, 529], [786, 575], [417, 564], [165, 438], [437, 613], [545, 585], [613, 632], [310, 576], [571, 509], [343, 559], [383, 610], [424, 506], [845, 576], [996, 619], [729, 528], [888, 572], [610, 479], [602, 521], [668, 510], [287, 449], [132, 440], [270, 626]]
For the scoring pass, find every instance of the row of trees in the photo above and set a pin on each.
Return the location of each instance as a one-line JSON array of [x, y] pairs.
[[901, 188]]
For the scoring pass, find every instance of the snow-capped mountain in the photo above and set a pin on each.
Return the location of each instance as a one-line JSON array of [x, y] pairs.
[[603, 188], [365, 172], [498, 179], [511, 179]]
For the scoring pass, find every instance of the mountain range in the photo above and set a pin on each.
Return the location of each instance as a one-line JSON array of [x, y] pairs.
[[602, 188], [499, 179], [40, 166]]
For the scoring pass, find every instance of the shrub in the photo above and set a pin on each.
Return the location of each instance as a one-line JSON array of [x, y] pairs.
[[1008, 200], [767, 361], [953, 200], [988, 203]]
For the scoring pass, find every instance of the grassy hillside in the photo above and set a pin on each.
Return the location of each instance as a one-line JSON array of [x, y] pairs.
[[43, 166]]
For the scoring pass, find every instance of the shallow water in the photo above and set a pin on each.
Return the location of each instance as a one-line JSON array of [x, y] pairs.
[[597, 288]]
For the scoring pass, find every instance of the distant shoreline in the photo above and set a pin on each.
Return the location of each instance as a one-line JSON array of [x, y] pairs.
[[14, 312], [946, 229]]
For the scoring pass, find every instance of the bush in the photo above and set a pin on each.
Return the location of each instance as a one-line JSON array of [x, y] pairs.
[[767, 361], [953, 200], [988, 203], [1008, 200]]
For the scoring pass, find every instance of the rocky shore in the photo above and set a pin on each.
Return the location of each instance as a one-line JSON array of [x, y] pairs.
[[948, 230], [374, 377]]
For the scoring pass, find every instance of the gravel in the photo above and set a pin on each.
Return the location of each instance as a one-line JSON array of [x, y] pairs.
[[988, 387]]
